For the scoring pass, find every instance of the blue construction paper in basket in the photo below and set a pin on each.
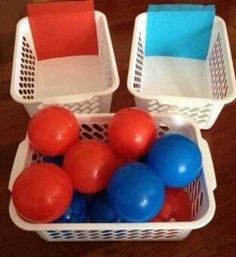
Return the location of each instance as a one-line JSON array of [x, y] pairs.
[[179, 30]]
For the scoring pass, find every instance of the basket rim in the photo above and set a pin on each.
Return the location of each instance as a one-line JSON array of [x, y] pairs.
[[140, 95], [184, 225], [187, 225], [70, 97]]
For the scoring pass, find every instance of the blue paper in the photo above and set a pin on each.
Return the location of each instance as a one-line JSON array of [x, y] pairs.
[[179, 30]]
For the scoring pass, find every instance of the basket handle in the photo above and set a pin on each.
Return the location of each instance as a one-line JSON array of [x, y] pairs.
[[19, 162], [208, 164]]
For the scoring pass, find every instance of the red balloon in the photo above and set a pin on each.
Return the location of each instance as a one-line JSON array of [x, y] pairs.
[[120, 160], [42, 193], [90, 165], [177, 206], [131, 132], [158, 218], [52, 130], [166, 211]]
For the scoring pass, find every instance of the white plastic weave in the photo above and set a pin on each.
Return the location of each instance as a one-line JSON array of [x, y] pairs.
[[95, 126], [67, 80], [197, 88]]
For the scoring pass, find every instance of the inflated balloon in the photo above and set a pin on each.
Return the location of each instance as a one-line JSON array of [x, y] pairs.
[[52, 130], [176, 159], [100, 209], [165, 212], [77, 210], [131, 132], [90, 165], [177, 206], [42, 193], [58, 160], [136, 192]]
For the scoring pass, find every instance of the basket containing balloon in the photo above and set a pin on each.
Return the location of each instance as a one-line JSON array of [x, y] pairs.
[[123, 176]]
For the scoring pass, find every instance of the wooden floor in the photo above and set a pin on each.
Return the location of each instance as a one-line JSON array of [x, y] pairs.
[[218, 239]]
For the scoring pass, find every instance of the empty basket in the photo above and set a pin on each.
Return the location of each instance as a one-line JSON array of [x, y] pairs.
[[201, 190], [197, 88], [80, 83]]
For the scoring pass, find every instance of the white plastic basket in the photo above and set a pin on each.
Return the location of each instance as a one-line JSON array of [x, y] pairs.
[[95, 126], [80, 83], [196, 88]]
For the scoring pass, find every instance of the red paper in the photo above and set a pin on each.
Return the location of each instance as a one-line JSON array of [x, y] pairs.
[[62, 29]]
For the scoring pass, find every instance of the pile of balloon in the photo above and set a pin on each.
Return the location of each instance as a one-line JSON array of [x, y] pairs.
[[137, 176]]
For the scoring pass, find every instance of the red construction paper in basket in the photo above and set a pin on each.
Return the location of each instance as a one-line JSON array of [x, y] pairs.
[[61, 29]]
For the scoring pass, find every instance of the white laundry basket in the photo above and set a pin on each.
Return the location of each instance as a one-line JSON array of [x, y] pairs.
[[201, 190], [80, 83], [197, 88]]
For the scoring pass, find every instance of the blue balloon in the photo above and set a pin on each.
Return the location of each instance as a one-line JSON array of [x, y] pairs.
[[58, 160], [100, 209], [176, 159], [136, 192], [77, 210]]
